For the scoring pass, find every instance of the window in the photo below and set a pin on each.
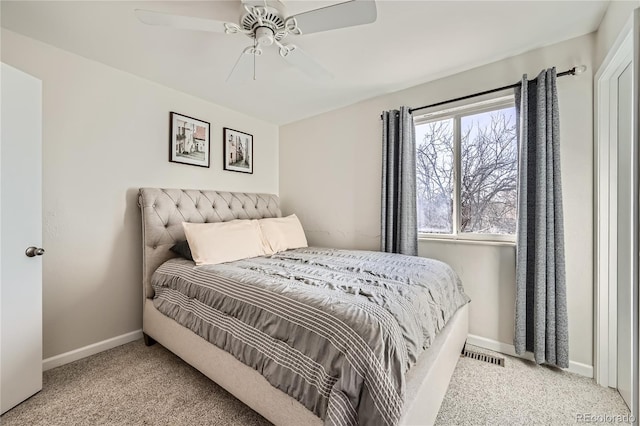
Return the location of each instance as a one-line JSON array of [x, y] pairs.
[[467, 171]]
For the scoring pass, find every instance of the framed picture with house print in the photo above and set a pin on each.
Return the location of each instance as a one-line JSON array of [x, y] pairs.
[[238, 151], [189, 140]]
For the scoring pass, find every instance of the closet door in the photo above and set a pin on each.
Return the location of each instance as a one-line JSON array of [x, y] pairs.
[[635, 292], [624, 89], [21, 237], [625, 225]]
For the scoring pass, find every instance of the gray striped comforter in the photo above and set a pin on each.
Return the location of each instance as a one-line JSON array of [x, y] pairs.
[[335, 329]]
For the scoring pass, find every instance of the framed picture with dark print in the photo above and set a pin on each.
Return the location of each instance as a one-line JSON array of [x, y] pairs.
[[238, 151], [189, 140]]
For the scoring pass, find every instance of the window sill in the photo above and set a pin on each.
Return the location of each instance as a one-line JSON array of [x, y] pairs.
[[454, 240]]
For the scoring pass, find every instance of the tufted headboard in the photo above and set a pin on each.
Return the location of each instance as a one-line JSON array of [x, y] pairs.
[[164, 210]]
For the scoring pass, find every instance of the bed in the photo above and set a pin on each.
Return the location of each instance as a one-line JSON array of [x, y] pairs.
[[424, 383]]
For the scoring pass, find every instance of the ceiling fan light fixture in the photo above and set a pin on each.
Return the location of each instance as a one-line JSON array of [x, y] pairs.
[[264, 36]]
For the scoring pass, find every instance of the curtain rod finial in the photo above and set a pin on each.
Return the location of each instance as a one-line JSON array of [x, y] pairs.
[[579, 69]]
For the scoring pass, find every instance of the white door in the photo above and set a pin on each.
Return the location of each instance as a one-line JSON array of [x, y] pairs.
[[635, 276], [628, 222], [623, 86], [20, 228], [617, 330]]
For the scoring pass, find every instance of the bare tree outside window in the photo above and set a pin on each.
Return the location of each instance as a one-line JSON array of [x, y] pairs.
[[434, 176], [488, 155]]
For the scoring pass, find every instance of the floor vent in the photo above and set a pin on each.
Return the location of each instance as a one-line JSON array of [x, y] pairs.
[[491, 359]]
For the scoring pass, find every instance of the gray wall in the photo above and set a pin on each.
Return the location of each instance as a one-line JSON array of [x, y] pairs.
[[617, 15], [330, 176], [105, 133]]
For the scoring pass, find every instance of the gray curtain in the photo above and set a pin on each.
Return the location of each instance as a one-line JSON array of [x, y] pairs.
[[399, 216], [541, 302]]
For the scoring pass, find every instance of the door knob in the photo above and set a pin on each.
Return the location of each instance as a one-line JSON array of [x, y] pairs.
[[34, 251]]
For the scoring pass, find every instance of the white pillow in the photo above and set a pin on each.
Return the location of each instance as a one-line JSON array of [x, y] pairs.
[[213, 243], [282, 233]]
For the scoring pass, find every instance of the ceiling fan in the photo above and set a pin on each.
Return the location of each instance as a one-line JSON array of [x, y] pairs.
[[266, 23]]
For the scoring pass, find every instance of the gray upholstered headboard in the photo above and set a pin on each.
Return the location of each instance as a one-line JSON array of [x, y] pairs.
[[164, 210]]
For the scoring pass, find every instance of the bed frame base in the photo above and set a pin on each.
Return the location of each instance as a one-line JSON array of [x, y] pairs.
[[427, 381], [163, 211], [148, 340]]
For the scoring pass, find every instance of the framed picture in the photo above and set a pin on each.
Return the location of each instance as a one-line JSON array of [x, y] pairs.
[[189, 140], [238, 151]]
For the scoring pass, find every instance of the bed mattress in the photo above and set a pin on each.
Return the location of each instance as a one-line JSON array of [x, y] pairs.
[[337, 330]]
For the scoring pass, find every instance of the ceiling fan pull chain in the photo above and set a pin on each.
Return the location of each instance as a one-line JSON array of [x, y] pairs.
[[255, 46]]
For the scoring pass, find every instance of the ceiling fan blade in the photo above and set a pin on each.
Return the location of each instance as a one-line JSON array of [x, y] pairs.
[[243, 70], [150, 17], [271, 3], [341, 15], [301, 60]]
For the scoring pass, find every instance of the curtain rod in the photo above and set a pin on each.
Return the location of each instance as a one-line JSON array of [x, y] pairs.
[[573, 71]]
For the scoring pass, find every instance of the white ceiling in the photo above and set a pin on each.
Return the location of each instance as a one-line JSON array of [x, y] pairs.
[[411, 42]]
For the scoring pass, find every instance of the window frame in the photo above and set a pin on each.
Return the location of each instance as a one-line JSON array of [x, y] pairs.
[[456, 113]]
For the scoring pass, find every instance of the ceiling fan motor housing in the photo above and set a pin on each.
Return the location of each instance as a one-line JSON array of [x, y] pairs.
[[271, 28]]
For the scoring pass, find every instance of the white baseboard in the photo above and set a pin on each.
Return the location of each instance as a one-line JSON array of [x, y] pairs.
[[507, 349], [581, 369], [76, 354]]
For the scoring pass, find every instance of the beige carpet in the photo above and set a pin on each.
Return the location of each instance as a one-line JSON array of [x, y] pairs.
[[523, 393], [138, 385], [130, 385]]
